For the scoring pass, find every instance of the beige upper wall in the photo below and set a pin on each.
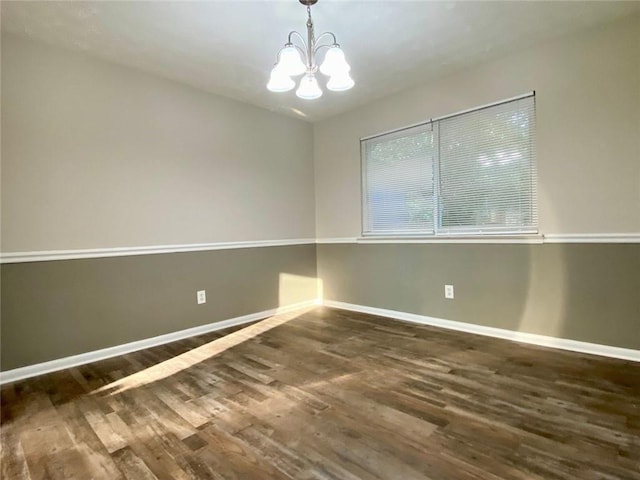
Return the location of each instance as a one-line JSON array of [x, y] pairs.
[[98, 155], [588, 131]]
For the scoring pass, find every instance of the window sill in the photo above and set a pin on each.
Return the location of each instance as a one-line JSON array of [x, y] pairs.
[[526, 239]]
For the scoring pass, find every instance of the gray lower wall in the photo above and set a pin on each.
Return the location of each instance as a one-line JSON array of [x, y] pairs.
[[60, 308], [587, 292]]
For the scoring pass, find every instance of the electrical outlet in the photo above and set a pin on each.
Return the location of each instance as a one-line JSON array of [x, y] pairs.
[[448, 291], [201, 296]]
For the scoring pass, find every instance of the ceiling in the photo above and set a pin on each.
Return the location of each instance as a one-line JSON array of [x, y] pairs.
[[228, 47]]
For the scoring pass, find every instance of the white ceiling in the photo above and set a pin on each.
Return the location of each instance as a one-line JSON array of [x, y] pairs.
[[228, 47]]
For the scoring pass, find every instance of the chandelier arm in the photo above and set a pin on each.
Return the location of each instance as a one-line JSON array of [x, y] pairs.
[[325, 45], [304, 49], [303, 52], [299, 36], [335, 42]]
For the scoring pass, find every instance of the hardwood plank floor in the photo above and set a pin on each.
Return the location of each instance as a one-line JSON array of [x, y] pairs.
[[329, 394]]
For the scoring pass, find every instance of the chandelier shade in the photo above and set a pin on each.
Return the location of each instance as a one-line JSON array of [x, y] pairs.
[[309, 88], [334, 62], [290, 62], [279, 81], [340, 82], [300, 58]]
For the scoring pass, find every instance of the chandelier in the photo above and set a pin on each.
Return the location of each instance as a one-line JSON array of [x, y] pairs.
[[290, 63]]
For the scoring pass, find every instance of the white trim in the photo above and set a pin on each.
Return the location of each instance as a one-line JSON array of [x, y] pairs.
[[43, 256], [321, 241], [453, 239], [49, 255], [102, 354], [592, 238], [537, 239], [531, 338]]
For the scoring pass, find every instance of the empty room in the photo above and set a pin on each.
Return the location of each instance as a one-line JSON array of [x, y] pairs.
[[320, 239]]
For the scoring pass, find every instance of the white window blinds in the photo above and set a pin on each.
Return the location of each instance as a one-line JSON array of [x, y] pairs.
[[472, 173], [399, 182], [487, 175]]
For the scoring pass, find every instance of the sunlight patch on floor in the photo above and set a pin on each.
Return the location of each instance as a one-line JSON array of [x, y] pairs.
[[199, 354]]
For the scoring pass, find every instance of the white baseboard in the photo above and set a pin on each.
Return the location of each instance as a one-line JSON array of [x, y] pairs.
[[104, 353], [534, 339]]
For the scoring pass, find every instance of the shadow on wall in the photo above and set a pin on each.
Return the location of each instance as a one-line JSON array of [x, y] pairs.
[[586, 292], [497, 285], [544, 305], [602, 293]]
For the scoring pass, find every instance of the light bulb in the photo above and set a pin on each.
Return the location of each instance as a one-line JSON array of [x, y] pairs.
[[340, 82], [309, 88], [290, 62], [279, 82], [334, 62]]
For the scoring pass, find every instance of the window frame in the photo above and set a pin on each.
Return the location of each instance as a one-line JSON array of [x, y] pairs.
[[449, 232]]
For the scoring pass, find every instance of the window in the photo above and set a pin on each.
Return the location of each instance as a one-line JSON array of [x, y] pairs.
[[470, 173]]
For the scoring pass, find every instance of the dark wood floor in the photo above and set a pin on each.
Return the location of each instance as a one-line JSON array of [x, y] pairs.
[[329, 394]]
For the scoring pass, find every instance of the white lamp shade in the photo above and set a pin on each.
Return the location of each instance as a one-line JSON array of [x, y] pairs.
[[309, 88], [290, 62], [279, 82], [340, 82], [334, 62]]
